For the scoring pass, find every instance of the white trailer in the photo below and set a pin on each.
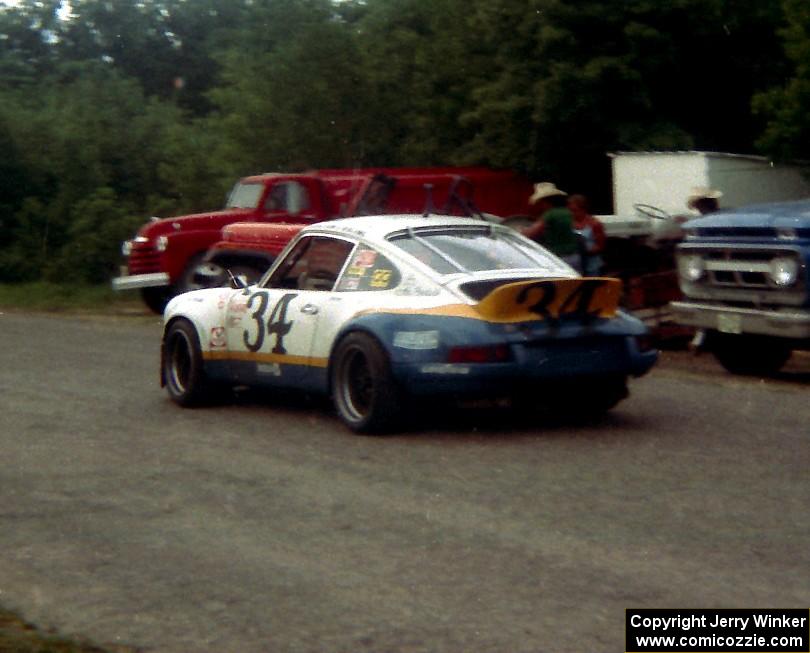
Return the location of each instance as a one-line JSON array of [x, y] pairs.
[[648, 184]]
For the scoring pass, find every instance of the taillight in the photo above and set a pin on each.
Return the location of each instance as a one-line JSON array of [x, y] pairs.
[[487, 354]]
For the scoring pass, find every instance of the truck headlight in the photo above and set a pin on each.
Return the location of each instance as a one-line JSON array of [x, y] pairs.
[[784, 271], [127, 245], [691, 266], [161, 244]]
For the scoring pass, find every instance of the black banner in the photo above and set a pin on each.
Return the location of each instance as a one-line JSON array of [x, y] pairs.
[[705, 631]]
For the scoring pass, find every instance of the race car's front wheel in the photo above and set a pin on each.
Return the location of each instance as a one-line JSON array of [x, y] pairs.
[[183, 371], [364, 392]]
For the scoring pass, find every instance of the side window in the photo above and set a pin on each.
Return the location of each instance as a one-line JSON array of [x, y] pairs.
[[289, 196], [313, 264], [369, 270]]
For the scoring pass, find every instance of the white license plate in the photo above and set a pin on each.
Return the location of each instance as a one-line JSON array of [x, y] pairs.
[[729, 323]]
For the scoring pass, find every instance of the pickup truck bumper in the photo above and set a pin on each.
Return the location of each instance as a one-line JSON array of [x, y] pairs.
[[784, 323], [141, 281]]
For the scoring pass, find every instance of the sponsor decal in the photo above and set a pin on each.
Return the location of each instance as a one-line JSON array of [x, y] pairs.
[[365, 258], [416, 339], [380, 279], [218, 339]]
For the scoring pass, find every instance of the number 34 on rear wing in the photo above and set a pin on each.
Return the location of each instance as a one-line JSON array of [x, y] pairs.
[[552, 299]]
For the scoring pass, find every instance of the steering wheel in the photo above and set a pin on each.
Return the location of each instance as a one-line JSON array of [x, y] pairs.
[[652, 211]]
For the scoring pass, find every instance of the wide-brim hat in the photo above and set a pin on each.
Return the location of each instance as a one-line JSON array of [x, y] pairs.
[[703, 193], [545, 189]]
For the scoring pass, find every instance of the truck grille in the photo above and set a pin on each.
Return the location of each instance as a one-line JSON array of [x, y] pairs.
[[741, 269], [742, 273], [143, 259]]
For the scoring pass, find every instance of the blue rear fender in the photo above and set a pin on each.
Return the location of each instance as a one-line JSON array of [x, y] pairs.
[[419, 348]]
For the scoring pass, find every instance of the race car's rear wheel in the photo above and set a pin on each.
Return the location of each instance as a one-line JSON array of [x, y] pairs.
[[364, 392], [183, 370]]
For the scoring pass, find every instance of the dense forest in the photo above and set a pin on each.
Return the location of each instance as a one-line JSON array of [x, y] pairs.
[[115, 110]]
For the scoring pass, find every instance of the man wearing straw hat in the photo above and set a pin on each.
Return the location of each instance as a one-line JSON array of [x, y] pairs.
[[553, 227], [704, 200]]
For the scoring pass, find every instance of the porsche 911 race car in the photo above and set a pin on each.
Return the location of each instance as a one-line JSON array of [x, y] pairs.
[[382, 310]]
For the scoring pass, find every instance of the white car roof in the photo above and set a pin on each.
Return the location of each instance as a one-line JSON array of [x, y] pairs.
[[376, 228]]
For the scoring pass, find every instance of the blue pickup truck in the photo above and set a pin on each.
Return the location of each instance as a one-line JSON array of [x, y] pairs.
[[745, 277]]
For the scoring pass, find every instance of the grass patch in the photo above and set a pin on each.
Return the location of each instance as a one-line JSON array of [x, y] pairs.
[[42, 296], [17, 636]]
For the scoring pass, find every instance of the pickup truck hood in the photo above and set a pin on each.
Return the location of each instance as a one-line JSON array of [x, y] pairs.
[[781, 215], [213, 220]]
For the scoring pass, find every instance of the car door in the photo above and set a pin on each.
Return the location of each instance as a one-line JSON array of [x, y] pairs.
[[270, 328]]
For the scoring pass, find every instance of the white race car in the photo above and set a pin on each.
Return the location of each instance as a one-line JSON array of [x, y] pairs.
[[380, 310]]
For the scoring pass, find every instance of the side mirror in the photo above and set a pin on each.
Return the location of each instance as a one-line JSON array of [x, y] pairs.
[[236, 282]]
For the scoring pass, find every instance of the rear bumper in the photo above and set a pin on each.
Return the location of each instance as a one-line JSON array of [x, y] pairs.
[[786, 323], [141, 281], [554, 363]]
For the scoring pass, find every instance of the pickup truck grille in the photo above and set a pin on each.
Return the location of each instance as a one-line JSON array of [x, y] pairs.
[[741, 269], [143, 259], [741, 273]]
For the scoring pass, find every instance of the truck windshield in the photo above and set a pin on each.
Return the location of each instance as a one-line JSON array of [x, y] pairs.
[[244, 196], [450, 251]]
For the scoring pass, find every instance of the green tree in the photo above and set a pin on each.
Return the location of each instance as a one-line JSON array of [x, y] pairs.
[[167, 45], [291, 96], [571, 82], [97, 224], [27, 34], [787, 107], [422, 62]]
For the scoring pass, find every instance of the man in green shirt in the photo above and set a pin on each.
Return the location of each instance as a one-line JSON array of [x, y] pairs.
[[554, 226]]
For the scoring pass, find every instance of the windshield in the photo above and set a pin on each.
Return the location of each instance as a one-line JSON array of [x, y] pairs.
[[244, 196], [449, 251]]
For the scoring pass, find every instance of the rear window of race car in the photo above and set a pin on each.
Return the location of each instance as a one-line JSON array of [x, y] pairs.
[[449, 251]]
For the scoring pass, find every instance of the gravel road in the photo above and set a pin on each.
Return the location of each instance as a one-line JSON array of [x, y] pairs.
[[264, 525]]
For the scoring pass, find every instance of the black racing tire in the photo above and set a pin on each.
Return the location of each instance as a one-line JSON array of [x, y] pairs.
[[183, 369], [156, 298], [748, 355], [364, 392]]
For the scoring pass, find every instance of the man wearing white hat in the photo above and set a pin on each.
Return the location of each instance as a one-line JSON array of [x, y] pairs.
[[704, 200], [553, 227]]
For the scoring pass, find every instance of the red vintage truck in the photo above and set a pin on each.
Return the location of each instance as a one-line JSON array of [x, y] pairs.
[[168, 256]]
